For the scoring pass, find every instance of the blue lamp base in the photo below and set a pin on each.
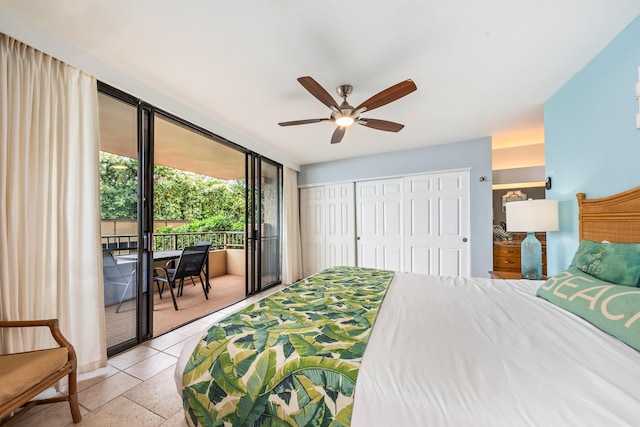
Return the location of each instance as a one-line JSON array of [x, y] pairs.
[[531, 256]]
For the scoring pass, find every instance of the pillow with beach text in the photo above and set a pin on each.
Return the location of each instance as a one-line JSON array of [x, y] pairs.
[[613, 308]]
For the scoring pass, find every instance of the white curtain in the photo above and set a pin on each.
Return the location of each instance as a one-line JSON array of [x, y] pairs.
[[50, 259], [291, 248]]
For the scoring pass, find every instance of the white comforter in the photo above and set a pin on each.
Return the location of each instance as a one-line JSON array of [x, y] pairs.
[[452, 351]]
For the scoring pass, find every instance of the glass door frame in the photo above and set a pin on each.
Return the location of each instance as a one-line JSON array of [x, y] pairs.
[[145, 221], [253, 217]]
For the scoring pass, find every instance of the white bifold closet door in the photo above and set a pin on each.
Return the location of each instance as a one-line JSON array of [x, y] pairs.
[[380, 223], [327, 224], [436, 217], [340, 225], [312, 227], [416, 224]]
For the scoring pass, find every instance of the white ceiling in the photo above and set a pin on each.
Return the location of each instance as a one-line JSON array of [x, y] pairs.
[[482, 68]]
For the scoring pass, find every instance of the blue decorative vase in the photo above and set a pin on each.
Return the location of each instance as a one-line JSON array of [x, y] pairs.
[[531, 256]]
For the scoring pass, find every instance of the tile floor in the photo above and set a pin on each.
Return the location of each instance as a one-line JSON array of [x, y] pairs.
[[136, 388]]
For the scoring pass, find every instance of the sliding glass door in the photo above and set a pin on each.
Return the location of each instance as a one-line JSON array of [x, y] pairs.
[[198, 198], [270, 214], [167, 184], [264, 222], [122, 196]]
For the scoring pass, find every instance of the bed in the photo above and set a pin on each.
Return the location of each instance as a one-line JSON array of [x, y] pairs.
[[443, 351]]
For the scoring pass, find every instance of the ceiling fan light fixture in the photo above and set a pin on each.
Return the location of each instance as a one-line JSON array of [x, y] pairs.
[[344, 115], [344, 121]]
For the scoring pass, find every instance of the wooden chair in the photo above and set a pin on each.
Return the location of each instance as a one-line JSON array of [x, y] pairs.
[[25, 375]]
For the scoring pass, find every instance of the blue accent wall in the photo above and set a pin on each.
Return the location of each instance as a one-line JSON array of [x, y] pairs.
[[591, 141], [474, 155]]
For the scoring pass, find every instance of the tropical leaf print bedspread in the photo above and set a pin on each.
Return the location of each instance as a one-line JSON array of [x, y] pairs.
[[290, 359]]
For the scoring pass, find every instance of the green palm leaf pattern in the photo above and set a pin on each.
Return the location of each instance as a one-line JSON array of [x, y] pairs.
[[290, 359]]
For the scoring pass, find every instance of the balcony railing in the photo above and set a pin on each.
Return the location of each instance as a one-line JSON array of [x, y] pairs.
[[126, 243]]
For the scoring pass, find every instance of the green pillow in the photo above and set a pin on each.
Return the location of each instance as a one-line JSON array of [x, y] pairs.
[[617, 263], [613, 308]]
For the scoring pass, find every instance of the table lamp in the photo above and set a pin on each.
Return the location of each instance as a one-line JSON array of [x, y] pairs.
[[532, 216]]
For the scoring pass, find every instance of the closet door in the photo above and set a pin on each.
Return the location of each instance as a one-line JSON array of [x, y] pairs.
[[340, 225], [437, 224], [379, 219], [312, 228]]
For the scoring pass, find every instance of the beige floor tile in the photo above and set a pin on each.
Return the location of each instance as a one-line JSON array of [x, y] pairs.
[[213, 318], [175, 350], [158, 394], [129, 358], [176, 420], [245, 302], [34, 410], [165, 341], [230, 310], [121, 412], [88, 379], [242, 305], [109, 389], [51, 415], [193, 328], [151, 366]]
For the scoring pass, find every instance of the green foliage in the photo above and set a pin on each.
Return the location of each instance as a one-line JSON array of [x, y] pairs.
[[118, 186], [215, 223], [210, 203], [188, 196]]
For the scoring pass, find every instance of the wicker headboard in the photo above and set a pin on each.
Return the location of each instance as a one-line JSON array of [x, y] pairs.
[[614, 218]]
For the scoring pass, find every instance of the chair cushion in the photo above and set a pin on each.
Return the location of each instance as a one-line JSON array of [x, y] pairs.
[[21, 371]]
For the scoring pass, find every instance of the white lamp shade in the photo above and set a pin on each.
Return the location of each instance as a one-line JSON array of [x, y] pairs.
[[532, 215]]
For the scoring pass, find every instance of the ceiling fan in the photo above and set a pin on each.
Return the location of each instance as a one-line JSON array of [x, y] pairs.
[[344, 115]]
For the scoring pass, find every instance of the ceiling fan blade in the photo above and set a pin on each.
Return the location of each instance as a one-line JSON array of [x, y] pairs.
[[338, 134], [381, 125], [388, 95], [318, 91], [302, 122]]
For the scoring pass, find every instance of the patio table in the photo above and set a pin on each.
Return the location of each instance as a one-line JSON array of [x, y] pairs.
[[166, 256]]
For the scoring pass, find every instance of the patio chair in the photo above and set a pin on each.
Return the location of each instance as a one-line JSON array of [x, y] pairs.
[[205, 265], [23, 376], [172, 264], [189, 264], [162, 279], [117, 275], [206, 262]]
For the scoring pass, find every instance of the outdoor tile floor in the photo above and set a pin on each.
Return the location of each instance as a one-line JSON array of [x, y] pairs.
[[136, 388]]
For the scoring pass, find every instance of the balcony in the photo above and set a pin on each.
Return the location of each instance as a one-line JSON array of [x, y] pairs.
[[225, 256], [226, 275]]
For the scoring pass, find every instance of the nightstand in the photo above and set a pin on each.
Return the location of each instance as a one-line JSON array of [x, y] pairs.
[[509, 275]]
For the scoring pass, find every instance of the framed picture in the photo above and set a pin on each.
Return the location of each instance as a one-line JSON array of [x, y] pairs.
[[512, 196]]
